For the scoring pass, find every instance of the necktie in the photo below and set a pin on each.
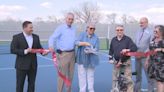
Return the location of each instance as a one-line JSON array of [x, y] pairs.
[[141, 36]]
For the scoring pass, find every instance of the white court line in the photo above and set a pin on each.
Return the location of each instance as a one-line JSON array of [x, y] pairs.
[[45, 57], [146, 90], [3, 69], [39, 66]]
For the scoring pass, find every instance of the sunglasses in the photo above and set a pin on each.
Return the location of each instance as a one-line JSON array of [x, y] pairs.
[[155, 31], [119, 30], [70, 19], [92, 28]]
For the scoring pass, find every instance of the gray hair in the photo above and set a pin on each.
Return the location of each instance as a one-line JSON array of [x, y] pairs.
[[145, 19], [91, 24], [161, 29], [119, 25], [70, 13]]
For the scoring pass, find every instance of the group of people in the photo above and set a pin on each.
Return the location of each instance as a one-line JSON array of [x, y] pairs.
[[71, 49]]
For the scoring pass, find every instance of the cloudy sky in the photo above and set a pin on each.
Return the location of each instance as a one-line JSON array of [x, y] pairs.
[[30, 9]]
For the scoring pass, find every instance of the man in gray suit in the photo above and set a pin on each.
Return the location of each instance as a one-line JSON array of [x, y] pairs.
[[143, 38]]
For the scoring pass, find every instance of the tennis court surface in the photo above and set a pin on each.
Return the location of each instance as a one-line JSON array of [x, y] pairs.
[[46, 80]]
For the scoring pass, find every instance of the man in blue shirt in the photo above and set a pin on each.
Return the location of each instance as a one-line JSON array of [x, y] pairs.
[[64, 40]]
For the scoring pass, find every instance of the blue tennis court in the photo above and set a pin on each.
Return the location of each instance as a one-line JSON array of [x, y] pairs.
[[46, 80]]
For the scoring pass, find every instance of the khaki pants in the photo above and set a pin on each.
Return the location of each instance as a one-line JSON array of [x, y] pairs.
[[127, 73], [66, 62]]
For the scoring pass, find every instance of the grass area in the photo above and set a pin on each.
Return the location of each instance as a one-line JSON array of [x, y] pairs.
[[104, 44]]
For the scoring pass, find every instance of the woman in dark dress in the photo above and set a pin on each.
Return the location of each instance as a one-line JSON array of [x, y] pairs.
[[155, 63]]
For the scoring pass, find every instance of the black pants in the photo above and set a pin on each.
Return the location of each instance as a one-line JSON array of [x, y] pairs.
[[21, 76]]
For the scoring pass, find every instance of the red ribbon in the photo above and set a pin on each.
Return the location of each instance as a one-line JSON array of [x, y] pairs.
[[137, 54], [54, 58], [65, 79], [38, 50], [149, 53], [140, 54]]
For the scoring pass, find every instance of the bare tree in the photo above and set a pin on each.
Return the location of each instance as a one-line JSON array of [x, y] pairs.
[[38, 19], [52, 18], [87, 12], [128, 19], [131, 19], [124, 19], [111, 18]]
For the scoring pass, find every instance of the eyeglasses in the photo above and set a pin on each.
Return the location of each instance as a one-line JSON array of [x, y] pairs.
[[92, 28], [70, 19], [141, 22], [155, 31], [119, 30]]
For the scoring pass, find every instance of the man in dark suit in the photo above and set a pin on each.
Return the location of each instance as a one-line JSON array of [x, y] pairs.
[[26, 62]]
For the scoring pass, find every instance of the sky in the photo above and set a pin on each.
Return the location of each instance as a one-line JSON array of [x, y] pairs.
[[30, 9]]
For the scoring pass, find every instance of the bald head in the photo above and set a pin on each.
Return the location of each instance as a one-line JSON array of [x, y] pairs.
[[69, 18], [144, 22], [144, 19]]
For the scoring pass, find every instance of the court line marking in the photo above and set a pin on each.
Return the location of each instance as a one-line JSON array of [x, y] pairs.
[[45, 57], [39, 66], [146, 90]]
